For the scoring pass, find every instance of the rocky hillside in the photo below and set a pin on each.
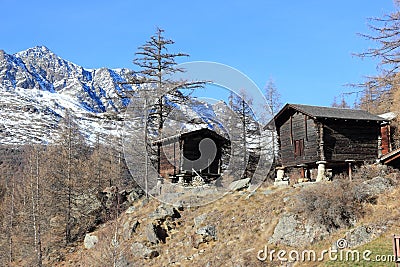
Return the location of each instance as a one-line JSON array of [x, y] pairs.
[[236, 229]]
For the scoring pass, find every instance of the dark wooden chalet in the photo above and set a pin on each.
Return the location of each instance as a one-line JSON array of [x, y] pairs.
[[180, 153], [310, 135]]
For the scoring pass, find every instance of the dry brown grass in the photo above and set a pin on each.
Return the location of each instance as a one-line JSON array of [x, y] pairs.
[[385, 212], [333, 205], [243, 226]]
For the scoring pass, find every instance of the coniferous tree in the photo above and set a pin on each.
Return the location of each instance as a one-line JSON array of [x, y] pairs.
[[386, 32], [381, 93], [273, 105], [156, 92], [155, 78], [341, 104], [273, 99], [23, 211], [35, 186], [245, 132], [378, 94], [68, 160]]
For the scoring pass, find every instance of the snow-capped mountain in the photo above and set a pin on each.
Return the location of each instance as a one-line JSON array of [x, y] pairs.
[[37, 87], [39, 68]]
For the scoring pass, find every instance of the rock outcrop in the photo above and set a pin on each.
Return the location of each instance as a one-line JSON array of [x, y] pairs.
[[90, 241], [292, 231]]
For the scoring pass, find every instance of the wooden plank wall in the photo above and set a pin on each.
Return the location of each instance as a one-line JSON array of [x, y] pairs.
[[355, 140], [190, 149], [169, 158], [298, 127]]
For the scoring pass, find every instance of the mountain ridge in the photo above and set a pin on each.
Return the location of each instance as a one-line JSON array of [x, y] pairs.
[[37, 88]]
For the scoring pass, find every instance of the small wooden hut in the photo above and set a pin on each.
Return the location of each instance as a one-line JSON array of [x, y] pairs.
[[180, 155]]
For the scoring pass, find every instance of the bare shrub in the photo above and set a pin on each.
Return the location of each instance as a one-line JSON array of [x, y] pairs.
[[331, 205], [369, 191], [369, 171]]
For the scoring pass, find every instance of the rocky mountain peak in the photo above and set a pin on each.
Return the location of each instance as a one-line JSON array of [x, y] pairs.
[[37, 87], [37, 50], [38, 78]]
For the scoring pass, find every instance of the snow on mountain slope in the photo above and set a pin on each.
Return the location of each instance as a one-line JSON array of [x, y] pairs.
[[37, 87], [33, 116]]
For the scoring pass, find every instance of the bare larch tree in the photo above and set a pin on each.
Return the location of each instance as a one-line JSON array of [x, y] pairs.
[[155, 78], [378, 91]]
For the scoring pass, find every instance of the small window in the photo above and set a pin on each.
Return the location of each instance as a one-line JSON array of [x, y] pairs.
[[299, 148]]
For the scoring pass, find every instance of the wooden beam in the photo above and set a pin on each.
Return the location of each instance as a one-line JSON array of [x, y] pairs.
[[305, 126], [321, 141], [392, 158], [291, 130], [350, 161]]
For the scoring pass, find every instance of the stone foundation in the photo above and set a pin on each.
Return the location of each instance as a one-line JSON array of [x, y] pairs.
[[321, 176], [280, 175]]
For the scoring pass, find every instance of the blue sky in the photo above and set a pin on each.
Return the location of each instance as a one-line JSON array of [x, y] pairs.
[[304, 46]]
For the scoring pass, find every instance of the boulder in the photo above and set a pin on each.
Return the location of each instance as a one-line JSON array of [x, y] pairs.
[[291, 231], [208, 232], [164, 211], [111, 197], [142, 251], [151, 234], [134, 194], [363, 234], [87, 203], [130, 210], [203, 235], [239, 184], [123, 262], [129, 227], [90, 241]]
